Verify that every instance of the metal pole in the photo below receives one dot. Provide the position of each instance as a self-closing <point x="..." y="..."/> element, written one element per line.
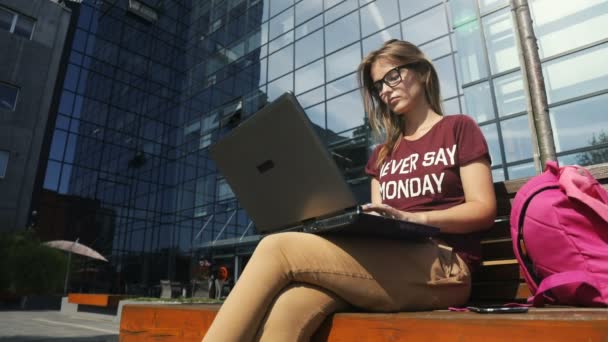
<point x="536" y="83"/>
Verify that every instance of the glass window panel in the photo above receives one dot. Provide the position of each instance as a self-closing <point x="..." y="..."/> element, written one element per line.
<point x="470" y="52"/>
<point x="498" y="175"/>
<point x="316" y="114"/>
<point x="312" y="97"/>
<point x="309" y="27"/>
<point x="71" y="78"/>
<point x="490" y="132"/>
<point x="342" y="62"/>
<point x="3" y="161"/>
<point x="58" y="145"/>
<point x="280" y="62"/>
<point x="307" y="9"/>
<point x="24" y="27"/>
<point x="276" y="6"/>
<point x="280" y="42"/>
<point x="51" y="179"/>
<point x="451" y="107"/>
<point x="280" y="24"/>
<point x="500" y="39"/>
<point x="570" y="25"/>
<point x="62" y="122"/>
<point x="340" y="10"/>
<point x="489" y="5"/>
<point x="8" y="96"/>
<point x="278" y="87"/>
<point x="426" y="26"/>
<point x="437" y="48"/>
<point x="310" y="76"/>
<point x="345" y="112"/>
<point x="70" y="149"/>
<point x="378" y="15"/>
<point x="447" y="77"/>
<point x="309" y="48"/>
<point x="375" y="41"/>
<point x="580" y="124"/>
<point x="409" y="7"/>
<point x="510" y="95"/>
<point x="516" y="138"/>
<point x="335" y="36"/>
<point x="66" y="173"/>
<point x="479" y="102"/>
<point x="342" y="85"/>
<point x="593" y="157"/>
<point x="521" y="171"/>
<point x="6" y="19"/>
<point x="463" y="11"/>
<point x="262" y="71"/>
<point x="577" y="74"/>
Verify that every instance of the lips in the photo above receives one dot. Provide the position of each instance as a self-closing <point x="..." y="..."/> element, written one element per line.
<point x="393" y="100"/>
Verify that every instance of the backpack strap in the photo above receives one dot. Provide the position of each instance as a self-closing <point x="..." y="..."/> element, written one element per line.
<point x="559" y="279"/>
<point x="579" y="184"/>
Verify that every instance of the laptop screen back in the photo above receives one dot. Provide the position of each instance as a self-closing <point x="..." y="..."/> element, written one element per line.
<point x="279" y="169"/>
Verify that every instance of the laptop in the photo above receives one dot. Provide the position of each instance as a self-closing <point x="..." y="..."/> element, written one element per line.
<point x="286" y="180"/>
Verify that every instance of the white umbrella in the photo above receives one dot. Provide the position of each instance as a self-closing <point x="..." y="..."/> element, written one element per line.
<point x="73" y="247"/>
<point x="76" y="247"/>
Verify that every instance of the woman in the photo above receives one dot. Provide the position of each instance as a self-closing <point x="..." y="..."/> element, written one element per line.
<point x="430" y="169"/>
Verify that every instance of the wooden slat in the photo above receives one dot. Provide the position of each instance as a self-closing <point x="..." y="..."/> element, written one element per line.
<point x="96" y="299"/>
<point x="500" y="272"/>
<point x="498" y="249"/>
<point x="500" y="229"/>
<point x="184" y="323"/>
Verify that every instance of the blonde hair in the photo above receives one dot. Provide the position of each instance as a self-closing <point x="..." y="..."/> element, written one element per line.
<point x="383" y="122"/>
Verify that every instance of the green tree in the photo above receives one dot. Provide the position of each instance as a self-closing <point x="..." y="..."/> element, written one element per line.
<point x="597" y="156"/>
<point x="28" y="267"/>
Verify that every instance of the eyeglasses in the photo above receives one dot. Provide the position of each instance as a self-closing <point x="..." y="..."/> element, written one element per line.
<point x="391" y="79"/>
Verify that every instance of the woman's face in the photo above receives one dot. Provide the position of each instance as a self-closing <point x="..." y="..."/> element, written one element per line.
<point x="403" y="96"/>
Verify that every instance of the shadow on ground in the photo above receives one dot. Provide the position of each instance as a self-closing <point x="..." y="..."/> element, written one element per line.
<point x="100" y="338"/>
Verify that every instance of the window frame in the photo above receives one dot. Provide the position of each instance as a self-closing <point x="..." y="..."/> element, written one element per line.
<point x="8" y="85"/>
<point x="8" y="157"/>
<point x="16" y="16"/>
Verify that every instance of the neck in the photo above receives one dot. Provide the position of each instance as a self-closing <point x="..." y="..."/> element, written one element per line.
<point x="419" y="119"/>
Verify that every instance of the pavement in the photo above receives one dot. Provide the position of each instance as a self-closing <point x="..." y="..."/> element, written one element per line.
<point x="54" y="326"/>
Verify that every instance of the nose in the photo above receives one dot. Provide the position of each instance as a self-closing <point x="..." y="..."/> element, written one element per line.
<point x="384" y="89"/>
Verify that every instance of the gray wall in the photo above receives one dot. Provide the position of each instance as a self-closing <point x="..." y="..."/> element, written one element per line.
<point x="32" y="65"/>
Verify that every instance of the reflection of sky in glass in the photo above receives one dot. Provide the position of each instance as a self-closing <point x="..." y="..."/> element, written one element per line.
<point x="516" y="138"/>
<point x="447" y="77"/>
<point x="335" y="36"/>
<point x="309" y="76"/>
<point x="316" y="114"/>
<point x="342" y="62"/>
<point x="500" y="39"/>
<point x="498" y="175"/>
<point x="307" y="9"/>
<point x="510" y="96"/>
<point x="342" y="85"/>
<point x="409" y="7"/>
<point x="491" y="134"/>
<point x="309" y="48"/>
<point x="280" y="24"/>
<point x="470" y="52"/>
<point x="437" y="48"/>
<point x="375" y="41"/>
<point x="426" y="26"/>
<point x="280" y="62"/>
<point x="309" y="26"/>
<point x="488" y="5"/>
<point x="521" y="171"/>
<point x="280" y="42"/>
<point x="576" y="74"/>
<point x="479" y="102"/>
<point x="378" y="15"/>
<point x="345" y="112"/>
<point x="451" y="107"/>
<point x="338" y="11"/>
<point x="575" y="124"/>
<point x="278" y="6"/>
<point x="278" y="87"/>
<point x="312" y="97"/>
<point x="570" y="25"/>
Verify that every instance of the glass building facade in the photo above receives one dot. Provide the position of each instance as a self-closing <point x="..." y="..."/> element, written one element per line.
<point x="149" y="85"/>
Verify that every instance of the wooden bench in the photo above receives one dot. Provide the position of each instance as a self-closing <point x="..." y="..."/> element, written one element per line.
<point x="498" y="281"/>
<point x="96" y="299"/>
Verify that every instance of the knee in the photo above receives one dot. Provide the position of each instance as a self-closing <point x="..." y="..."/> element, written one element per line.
<point x="277" y="242"/>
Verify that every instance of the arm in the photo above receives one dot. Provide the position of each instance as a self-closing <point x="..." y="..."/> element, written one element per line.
<point x="476" y="213"/>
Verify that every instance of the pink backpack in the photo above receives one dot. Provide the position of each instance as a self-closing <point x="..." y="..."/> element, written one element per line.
<point x="559" y="228"/>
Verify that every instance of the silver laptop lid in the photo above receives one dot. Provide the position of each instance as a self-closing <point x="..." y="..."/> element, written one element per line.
<point x="279" y="169"/>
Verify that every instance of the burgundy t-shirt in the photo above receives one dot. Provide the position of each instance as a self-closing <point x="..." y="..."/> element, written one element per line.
<point x="424" y="174"/>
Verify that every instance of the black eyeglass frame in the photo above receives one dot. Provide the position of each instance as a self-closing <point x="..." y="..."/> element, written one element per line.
<point x="377" y="86"/>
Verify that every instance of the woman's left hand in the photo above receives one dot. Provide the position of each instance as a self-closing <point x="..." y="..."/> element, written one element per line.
<point x="388" y="211"/>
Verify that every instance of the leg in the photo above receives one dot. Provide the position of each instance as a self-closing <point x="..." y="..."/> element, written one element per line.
<point x="373" y="274"/>
<point x="297" y="313"/>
